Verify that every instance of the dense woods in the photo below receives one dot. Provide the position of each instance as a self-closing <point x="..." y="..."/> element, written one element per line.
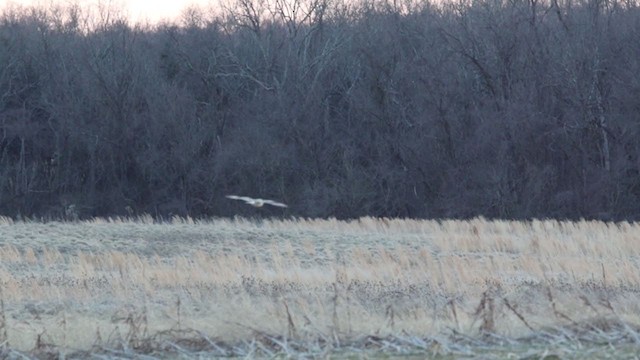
<point x="509" y="109"/>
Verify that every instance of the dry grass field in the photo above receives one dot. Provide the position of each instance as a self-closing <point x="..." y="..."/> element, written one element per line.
<point x="370" y="287"/>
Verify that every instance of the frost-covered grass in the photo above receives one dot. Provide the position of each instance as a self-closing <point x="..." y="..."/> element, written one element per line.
<point x="221" y="287"/>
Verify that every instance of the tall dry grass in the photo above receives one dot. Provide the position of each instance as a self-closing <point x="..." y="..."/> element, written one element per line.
<point x="115" y="283"/>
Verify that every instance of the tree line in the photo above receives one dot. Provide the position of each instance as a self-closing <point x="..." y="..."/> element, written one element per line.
<point x="501" y="108"/>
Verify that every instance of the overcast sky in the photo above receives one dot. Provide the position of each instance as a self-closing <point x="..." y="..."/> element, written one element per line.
<point x="153" y="10"/>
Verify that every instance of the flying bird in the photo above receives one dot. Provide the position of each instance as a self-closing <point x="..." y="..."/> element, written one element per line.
<point x="256" y="202"/>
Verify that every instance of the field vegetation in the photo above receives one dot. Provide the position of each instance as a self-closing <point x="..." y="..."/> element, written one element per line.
<point x="202" y="288"/>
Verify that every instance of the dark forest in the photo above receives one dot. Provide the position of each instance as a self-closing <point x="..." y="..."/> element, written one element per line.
<point x="502" y="109"/>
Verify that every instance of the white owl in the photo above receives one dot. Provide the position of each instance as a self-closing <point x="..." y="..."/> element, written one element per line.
<point x="256" y="202"/>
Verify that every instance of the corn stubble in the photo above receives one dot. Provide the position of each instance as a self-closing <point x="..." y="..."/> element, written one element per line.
<point x="120" y="287"/>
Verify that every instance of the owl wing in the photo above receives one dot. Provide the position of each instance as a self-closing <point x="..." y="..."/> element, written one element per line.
<point x="243" y="198"/>
<point x="275" y="203"/>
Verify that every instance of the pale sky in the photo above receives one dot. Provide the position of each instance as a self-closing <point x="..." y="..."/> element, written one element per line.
<point x="160" y="9"/>
<point x="153" y="10"/>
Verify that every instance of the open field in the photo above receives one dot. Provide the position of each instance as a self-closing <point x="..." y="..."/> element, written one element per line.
<point x="246" y="288"/>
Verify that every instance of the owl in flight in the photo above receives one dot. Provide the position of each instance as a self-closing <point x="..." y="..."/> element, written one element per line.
<point x="256" y="202"/>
